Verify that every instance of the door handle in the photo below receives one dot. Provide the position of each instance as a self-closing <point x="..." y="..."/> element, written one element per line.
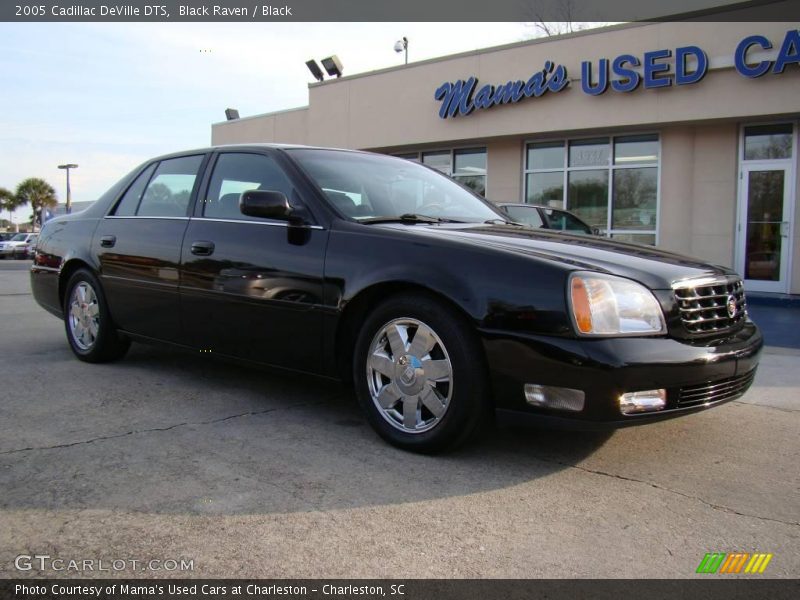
<point x="203" y="248"/>
<point x="108" y="241"/>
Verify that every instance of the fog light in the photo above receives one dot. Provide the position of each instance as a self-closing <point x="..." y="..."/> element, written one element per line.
<point x="645" y="401"/>
<point x="547" y="396"/>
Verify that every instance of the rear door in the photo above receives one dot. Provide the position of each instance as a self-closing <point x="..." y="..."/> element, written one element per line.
<point x="252" y="287"/>
<point x="138" y="247"/>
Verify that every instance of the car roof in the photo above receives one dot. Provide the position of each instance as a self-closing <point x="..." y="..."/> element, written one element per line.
<point x="250" y="146"/>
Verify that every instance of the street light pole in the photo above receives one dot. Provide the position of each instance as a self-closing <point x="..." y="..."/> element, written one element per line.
<point x="67" y="167"/>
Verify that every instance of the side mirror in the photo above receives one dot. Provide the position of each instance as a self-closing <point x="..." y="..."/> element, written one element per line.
<point x="595" y="231"/>
<point x="266" y="204"/>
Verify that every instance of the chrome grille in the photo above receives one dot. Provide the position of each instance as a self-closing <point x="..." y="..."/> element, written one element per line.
<point x="704" y="307"/>
<point x="714" y="391"/>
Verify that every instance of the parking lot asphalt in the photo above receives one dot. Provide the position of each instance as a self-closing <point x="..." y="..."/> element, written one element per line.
<point x="167" y="455"/>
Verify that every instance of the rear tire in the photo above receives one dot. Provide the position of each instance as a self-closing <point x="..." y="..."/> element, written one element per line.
<point x="420" y="375"/>
<point x="91" y="333"/>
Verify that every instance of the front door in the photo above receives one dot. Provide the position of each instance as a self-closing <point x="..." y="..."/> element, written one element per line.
<point x="765" y="213"/>
<point x="252" y="288"/>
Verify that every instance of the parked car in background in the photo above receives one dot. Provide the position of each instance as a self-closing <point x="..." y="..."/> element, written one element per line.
<point x="18" y="246"/>
<point x="389" y="274"/>
<point x="547" y="217"/>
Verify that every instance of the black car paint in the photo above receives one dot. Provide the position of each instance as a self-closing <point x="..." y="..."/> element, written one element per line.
<point x="290" y="295"/>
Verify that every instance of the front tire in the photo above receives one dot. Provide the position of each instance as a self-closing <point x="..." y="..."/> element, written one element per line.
<point x="90" y="331"/>
<point x="420" y="374"/>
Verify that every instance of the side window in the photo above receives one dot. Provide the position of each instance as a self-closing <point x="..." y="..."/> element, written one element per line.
<point x="235" y="173"/>
<point x="130" y="200"/>
<point x="170" y="189"/>
<point x="565" y="221"/>
<point x="523" y="214"/>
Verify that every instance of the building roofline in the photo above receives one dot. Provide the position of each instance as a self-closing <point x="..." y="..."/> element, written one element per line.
<point x="261" y="115"/>
<point x="487" y="50"/>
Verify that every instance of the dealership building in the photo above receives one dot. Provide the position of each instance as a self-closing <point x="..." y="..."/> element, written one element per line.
<point x="683" y="135"/>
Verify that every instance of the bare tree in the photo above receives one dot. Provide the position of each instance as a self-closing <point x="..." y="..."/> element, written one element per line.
<point x="563" y="10"/>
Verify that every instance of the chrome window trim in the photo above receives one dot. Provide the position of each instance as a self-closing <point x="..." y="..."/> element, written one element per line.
<point x="146" y="217"/>
<point x="271" y="223"/>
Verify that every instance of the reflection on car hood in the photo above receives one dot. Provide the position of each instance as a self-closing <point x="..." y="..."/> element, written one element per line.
<point x="653" y="267"/>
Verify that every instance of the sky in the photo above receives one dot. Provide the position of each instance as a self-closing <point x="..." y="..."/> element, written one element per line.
<point x="108" y="96"/>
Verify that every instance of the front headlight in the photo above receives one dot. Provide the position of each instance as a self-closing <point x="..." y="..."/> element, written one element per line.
<point x="605" y="305"/>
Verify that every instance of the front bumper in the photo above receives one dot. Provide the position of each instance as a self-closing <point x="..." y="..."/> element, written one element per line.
<point x="696" y="374"/>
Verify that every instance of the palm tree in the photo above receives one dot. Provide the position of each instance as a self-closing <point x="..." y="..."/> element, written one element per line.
<point x="39" y="194"/>
<point x="9" y="202"/>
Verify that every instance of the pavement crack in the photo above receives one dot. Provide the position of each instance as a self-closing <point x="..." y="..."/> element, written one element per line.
<point x="162" y="429"/>
<point x="712" y="505"/>
<point x="780" y="408"/>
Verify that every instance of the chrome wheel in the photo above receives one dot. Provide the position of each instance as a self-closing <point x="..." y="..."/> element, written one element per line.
<point x="84" y="316"/>
<point x="409" y="375"/>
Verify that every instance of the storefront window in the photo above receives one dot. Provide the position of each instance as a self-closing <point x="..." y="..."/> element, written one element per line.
<point x="638" y="149"/>
<point x="634" y="199"/>
<point x="610" y="182"/>
<point x="546" y="189"/>
<point x="588" y="196"/>
<point x="467" y="166"/>
<point x="589" y="153"/>
<point x="768" y="142"/>
<point x="549" y="155"/>
<point x="470" y="169"/>
<point x="441" y="161"/>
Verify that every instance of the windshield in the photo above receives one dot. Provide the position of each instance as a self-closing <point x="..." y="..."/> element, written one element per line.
<point x="371" y="186"/>
<point x="20" y="237"/>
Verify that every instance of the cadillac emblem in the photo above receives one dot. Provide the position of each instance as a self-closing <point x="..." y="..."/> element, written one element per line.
<point x="731" y="306"/>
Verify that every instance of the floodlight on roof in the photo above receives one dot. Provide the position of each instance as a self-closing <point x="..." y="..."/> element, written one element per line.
<point x="315" y="70"/>
<point x="333" y="66"/>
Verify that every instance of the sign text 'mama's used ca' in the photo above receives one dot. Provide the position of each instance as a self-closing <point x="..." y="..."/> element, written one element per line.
<point x="623" y="74"/>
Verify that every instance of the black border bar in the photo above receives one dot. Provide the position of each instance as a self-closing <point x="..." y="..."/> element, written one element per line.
<point x="708" y="587"/>
<point x="396" y="10"/>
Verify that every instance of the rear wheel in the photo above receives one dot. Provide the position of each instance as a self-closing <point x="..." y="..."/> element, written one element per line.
<point x="90" y="331"/>
<point x="420" y="375"/>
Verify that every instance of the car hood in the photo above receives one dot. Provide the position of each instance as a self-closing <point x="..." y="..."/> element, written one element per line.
<point x="658" y="269"/>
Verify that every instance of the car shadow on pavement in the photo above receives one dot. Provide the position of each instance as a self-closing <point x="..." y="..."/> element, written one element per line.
<point x="174" y="433"/>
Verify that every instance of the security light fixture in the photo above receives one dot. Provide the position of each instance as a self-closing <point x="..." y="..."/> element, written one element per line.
<point x="315" y="70"/>
<point x="402" y="46"/>
<point x="231" y="114"/>
<point x="333" y="65"/>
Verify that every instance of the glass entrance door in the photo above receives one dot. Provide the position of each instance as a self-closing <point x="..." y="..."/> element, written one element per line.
<point x="765" y="227"/>
<point x="766" y="206"/>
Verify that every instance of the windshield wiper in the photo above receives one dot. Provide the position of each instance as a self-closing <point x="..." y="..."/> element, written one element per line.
<point x="502" y="222"/>
<point x="408" y="218"/>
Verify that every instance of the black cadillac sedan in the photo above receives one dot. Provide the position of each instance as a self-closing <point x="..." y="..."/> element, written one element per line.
<point x="383" y="272"/>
